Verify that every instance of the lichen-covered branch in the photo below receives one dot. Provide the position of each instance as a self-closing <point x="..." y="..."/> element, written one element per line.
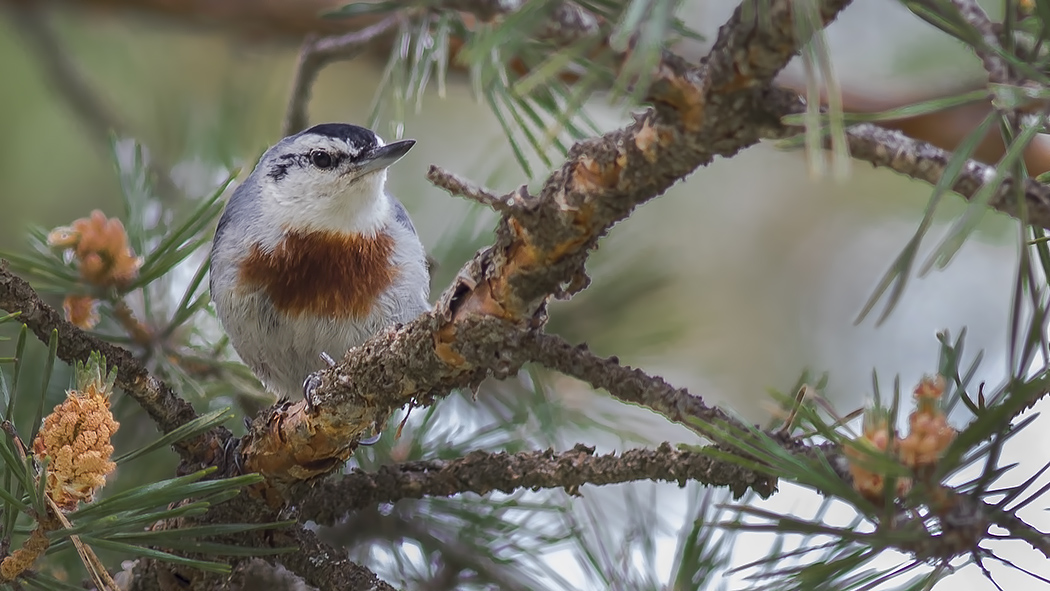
<point x="319" y="565"/>
<point x="487" y="316"/>
<point x="482" y="473"/>
<point x="920" y="160"/>
<point x="628" y="384"/>
<point x="322" y="566"/>
<point x="162" y="404"/>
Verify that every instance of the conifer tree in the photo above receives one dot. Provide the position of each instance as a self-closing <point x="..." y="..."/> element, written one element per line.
<point x="138" y="452"/>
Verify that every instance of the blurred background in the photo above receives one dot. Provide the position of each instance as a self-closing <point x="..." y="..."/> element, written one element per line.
<point x="732" y="284"/>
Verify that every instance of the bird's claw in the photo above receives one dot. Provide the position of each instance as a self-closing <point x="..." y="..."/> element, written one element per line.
<point x="232" y="455"/>
<point x="313" y="381"/>
<point x="372" y="440"/>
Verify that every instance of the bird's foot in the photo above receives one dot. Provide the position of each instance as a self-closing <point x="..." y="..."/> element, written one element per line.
<point x="313" y="381"/>
<point x="232" y="457"/>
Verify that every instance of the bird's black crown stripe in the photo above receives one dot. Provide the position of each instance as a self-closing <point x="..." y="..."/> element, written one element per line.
<point x="356" y="136"/>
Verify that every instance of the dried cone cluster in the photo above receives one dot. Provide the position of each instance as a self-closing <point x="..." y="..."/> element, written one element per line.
<point x="22" y="559"/>
<point x="100" y="249"/>
<point x="877" y="439"/>
<point x="76" y="439"/>
<point x="81" y="310"/>
<point x="929" y="434"/>
<point x="100" y="246"/>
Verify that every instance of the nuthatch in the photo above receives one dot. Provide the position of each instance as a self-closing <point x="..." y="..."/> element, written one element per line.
<point x="312" y="256"/>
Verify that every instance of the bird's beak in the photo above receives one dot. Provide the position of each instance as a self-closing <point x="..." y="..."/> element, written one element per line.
<point x="385" y="156"/>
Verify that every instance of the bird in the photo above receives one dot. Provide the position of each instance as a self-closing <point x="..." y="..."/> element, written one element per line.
<point x="312" y="255"/>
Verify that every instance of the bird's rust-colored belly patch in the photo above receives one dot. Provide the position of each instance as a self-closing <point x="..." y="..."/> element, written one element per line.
<point x="329" y="274"/>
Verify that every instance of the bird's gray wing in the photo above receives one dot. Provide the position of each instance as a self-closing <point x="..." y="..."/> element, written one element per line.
<point x="401" y="215"/>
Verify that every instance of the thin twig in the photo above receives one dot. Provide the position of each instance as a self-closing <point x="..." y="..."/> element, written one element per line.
<point x="459" y="186"/>
<point x="997" y="68"/>
<point x="96" y="569"/>
<point x="1021" y="530"/>
<point x="923" y="161"/>
<point x="483" y="472"/>
<point x="486" y="472"/>
<point x="628" y="384"/>
<point x="315" y="54"/>
<point x="139" y="332"/>
<point x="162" y="404"/>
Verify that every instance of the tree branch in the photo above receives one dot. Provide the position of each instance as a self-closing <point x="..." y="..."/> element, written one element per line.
<point x="997" y="68"/>
<point x="488" y="322"/>
<point x="1022" y="531"/>
<point x="367" y="526"/>
<point x="323" y="566"/>
<point x="162" y="404"/>
<point x="459" y="186"/>
<point x="482" y="473"/>
<point x="484" y="321"/>
<point x="628" y="384"/>
<point x="920" y="160"/>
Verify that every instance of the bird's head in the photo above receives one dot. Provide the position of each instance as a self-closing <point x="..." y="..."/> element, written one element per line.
<point x="330" y="177"/>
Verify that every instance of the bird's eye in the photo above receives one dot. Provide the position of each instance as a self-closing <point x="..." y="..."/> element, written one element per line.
<point x="321" y="159"/>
